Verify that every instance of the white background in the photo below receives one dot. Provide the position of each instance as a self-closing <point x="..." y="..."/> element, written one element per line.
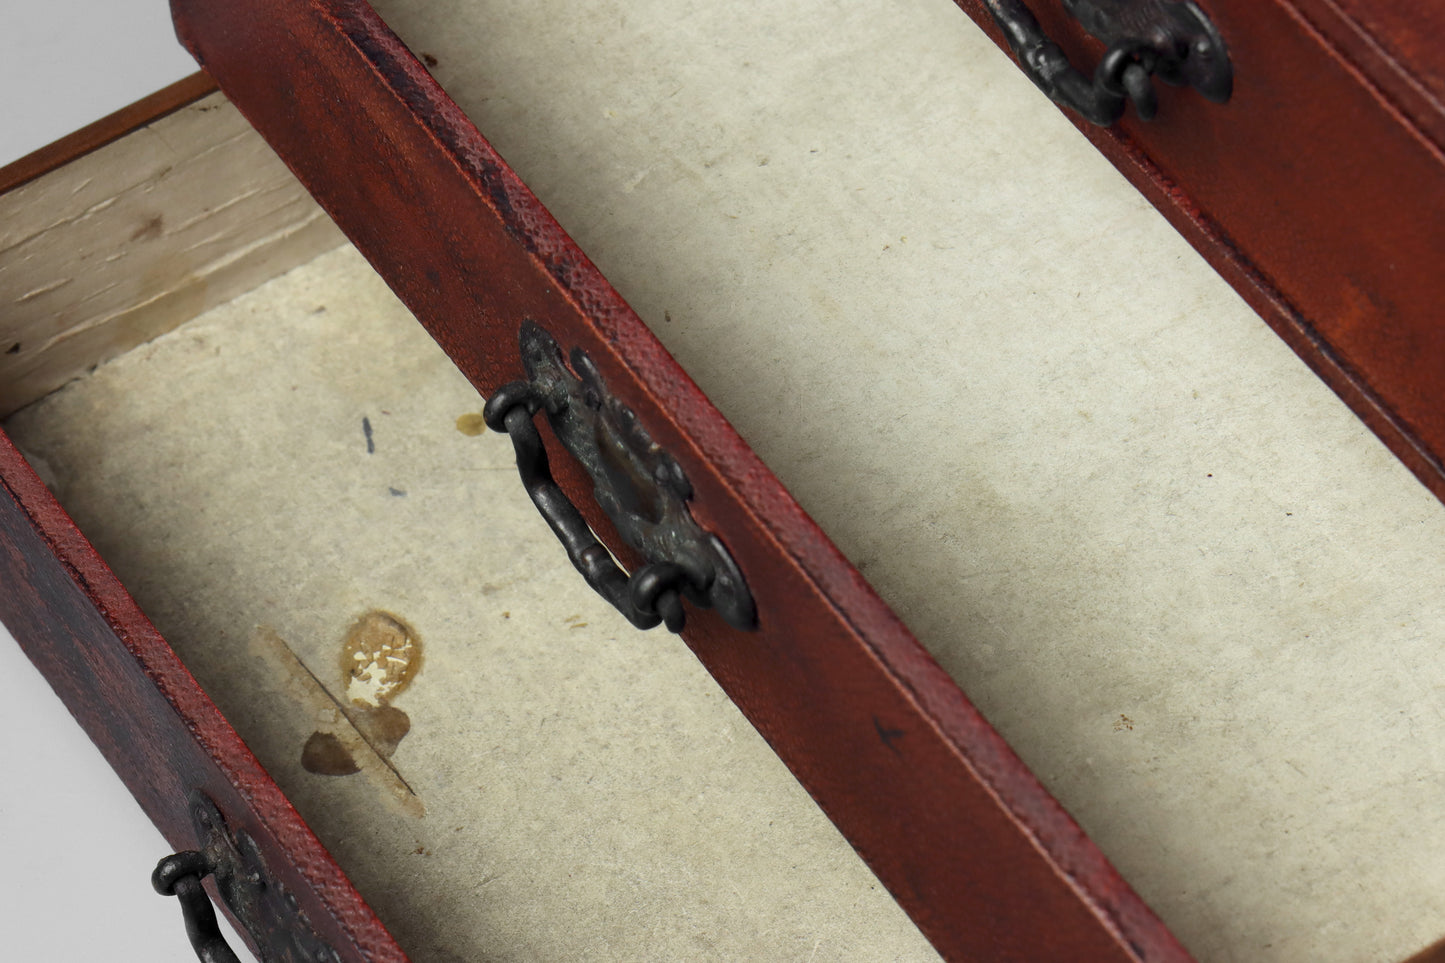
<point x="76" y="852"/>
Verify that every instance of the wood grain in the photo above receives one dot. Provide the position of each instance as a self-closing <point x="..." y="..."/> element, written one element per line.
<point x="135" y="237"/>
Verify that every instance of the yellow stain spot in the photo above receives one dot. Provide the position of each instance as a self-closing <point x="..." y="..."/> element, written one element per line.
<point x="471" y="424"/>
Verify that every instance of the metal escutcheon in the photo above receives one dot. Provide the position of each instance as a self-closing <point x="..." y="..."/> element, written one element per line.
<point x="640" y="486"/>
<point x="1169" y="39"/>
<point x="271" y="915"/>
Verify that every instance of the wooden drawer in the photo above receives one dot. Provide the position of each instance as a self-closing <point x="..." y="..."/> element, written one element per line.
<point x="546" y="723"/>
<point x="1081" y="507"/>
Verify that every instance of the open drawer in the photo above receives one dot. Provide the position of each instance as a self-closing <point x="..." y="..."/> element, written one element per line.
<point x="1202" y="619"/>
<point x="535" y="779"/>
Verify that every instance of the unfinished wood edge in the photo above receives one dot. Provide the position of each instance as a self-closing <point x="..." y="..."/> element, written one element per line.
<point x="185" y="211"/>
<point x="110" y="128"/>
<point x="91" y="346"/>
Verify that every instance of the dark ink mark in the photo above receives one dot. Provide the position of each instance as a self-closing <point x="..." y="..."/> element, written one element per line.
<point x="319" y="309"/>
<point x="434" y="276"/>
<point x="366" y="430"/>
<point x="667" y="317"/>
<point x="889" y="736"/>
<point x="396" y="492"/>
<point x="13" y="349"/>
<point x="429" y="60"/>
<point x="150" y="230"/>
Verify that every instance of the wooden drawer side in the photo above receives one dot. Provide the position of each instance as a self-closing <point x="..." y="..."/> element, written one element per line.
<point x="142" y="708"/>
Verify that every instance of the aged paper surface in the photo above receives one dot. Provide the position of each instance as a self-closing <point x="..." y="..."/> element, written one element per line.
<point x="279" y="478"/>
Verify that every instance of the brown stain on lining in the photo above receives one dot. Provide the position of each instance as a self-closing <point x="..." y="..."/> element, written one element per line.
<point x="382" y="727"/>
<point x="358" y="734"/>
<point x="380" y="655"/>
<point x="325" y="755"/>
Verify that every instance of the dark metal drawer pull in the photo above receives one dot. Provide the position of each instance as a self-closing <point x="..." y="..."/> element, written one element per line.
<point x="1173" y="41"/>
<point x="269" y="913"/>
<point x="640" y="487"/>
<point x="180" y="876"/>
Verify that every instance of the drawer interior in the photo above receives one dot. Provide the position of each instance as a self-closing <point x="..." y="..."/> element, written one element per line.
<point x="293" y="477"/>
